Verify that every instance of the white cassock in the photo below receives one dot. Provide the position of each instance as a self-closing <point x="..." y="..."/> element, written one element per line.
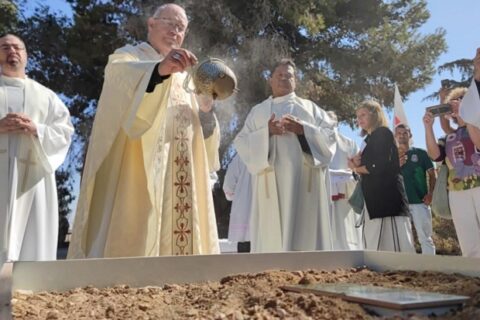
<point x="470" y="106"/>
<point x="238" y="189"/>
<point x="28" y="191"/>
<point x="145" y="187"/>
<point x="345" y="235"/>
<point x="290" y="196"/>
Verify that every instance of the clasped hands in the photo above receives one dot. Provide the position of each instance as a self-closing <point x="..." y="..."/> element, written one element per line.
<point x="17" y="123"/>
<point x="286" y="124"/>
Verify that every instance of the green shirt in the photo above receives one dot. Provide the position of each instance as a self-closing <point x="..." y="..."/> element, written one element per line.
<point x="414" y="173"/>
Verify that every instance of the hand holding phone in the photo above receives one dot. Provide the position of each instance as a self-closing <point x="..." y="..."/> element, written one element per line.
<point x="439" y="109"/>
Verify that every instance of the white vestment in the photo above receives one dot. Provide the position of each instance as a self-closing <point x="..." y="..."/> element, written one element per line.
<point x="28" y="191"/>
<point x="290" y="209"/>
<point x="238" y="189"/>
<point x="345" y="235"/>
<point x="145" y="186"/>
<point x="470" y="106"/>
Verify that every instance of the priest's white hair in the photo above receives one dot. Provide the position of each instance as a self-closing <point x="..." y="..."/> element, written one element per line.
<point x="159" y="9"/>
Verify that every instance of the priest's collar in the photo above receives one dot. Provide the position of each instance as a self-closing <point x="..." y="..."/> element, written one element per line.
<point x="284" y="98"/>
<point x="147" y="48"/>
<point x="13" y="81"/>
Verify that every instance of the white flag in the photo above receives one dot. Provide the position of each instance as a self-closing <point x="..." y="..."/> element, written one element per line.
<point x="470" y="106"/>
<point x="399" y="116"/>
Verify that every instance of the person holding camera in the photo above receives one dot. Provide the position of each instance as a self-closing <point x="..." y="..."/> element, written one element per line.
<point x="463" y="161"/>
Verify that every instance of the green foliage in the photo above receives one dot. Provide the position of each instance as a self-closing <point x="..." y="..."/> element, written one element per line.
<point x="463" y="68"/>
<point x="8" y="16"/>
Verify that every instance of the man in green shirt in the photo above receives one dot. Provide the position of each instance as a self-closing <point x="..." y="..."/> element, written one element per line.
<point x="416" y="165"/>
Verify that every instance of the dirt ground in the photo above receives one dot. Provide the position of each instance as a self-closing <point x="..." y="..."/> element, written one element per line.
<point x="243" y="296"/>
<point x="251" y="296"/>
<point x="444" y="237"/>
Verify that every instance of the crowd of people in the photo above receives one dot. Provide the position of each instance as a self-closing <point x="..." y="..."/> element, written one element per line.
<point x="145" y="188"/>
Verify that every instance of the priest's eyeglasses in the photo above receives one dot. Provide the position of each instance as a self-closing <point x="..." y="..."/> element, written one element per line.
<point x="8" y="47"/>
<point x="172" y="24"/>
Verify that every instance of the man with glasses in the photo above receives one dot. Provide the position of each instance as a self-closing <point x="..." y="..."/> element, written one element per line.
<point x="145" y="186"/>
<point x="35" y="134"/>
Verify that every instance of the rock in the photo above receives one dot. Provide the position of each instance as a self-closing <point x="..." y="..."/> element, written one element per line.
<point x="144" y="306"/>
<point x="110" y="311"/>
<point x="271" y="304"/>
<point x="52" y="315"/>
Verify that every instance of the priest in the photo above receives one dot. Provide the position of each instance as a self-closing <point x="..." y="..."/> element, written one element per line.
<point x="237" y="187"/>
<point x="470" y="106"/>
<point x="346" y="234"/>
<point x="35" y="134"/>
<point x="145" y="186"/>
<point x="287" y="144"/>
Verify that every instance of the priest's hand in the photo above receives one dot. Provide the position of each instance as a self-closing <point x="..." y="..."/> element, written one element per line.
<point x="291" y="124"/>
<point x="476" y="65"/>
<point x="7" y="125"/>
<point x="275" y="127"/>
<point x="20" y="123"/>
<point x="177" y="60"/>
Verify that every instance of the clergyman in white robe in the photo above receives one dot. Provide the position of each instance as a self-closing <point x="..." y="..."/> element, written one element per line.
<point x="237" y="186"/>
<point x="145" y="187"/>
<point x="346" y="236"/>
<point x="290" y="209"/>
<point x="470" y="105"/>
<point x="28" y="191"/>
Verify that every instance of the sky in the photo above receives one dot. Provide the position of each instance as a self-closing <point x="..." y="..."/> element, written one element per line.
<point x="456" y="17"/>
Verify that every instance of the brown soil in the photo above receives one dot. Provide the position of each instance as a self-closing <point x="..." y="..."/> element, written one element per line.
<point x="445" y="237"/>
<point x="244" y="296"/>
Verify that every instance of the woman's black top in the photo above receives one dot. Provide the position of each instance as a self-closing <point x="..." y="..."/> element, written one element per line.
<point x="383" y="188"/>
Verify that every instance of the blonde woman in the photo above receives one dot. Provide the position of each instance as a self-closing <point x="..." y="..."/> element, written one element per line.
<point x="387" y="225"/>
<point x="463" y="161"/>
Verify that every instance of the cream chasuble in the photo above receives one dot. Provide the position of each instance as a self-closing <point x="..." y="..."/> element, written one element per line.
<point x="145" y="186"/>
<point x="290" y="188"/>
<point x="28" y="192"/>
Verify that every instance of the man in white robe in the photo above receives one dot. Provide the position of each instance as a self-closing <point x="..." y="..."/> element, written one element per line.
<point x="287" y="144"/>
<point x="238" y="189"/>
<point x="145" y="186"/>
<point x="345" y="234"/>
<point x="470" y="105"/>
<point x="35" y="134"/>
